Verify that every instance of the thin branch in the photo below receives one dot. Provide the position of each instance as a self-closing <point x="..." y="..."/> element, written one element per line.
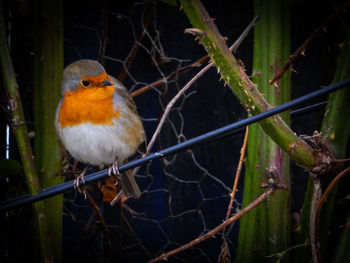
<point x="171" y="76"/>
<point x="195" y="64"/>
<point x="189" y="84"/>
<point x="316" y="196"/>
<point x="238" y="172"/>
<point x="280" y="255"/>
<point x="102" y="221"/>
<point x="220" y="227"/>
<point x="324" y="198"/>
<point x="340" y="160"/>
<point x="130" y="58"/>
<point x="104" y="32"/>
<point x="225" y="255"/>
<point x="186" y="87"/>
<point x="138" y="241"/>
<point x="306" y="44"/>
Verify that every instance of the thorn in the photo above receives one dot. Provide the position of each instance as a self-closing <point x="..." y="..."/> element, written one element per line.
<point x="195" y="31"/>
<point x="302" y="52"/>
<point x="224" y="38"/>
<point x="293" y="70"/>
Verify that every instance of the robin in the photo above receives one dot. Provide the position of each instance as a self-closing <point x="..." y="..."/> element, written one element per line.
<point x="97" y="121"/>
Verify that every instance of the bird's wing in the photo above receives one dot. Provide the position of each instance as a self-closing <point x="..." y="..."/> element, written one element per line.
<point x="124" y="94"/>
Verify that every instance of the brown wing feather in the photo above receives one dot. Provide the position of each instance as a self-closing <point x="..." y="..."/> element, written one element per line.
<point x="124" y="94"/>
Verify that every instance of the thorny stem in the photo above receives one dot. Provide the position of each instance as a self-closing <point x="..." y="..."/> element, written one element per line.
<point x="195" y="64"/>
<point x="306" y="44"/>
<point x="233" y="73"/>
<point x="220" y="227"/>
<point x="186" y="87"/>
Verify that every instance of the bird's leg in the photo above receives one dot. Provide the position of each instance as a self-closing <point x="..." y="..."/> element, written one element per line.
<point x="81" y="178"/>
<point x="114" y="170"/>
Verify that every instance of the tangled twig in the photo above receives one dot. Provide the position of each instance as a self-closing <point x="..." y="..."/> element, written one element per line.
<point x="220" y="227"/>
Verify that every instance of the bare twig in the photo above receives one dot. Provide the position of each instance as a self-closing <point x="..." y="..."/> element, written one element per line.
<point x="280" y="255"/>
<point x="186" y="87"/>
<point x="197" y="63"/>
<point x="132" y="54"/>
<point x="189" y="84"/>
<point x="170" y="77"/>
<point x="238" y="172"/>
<point x="225" y="255"/>
<point x="324" y="197"/>
<point x="102" y="221"/>
<point x="316" y="196"/>
<point x="104" y="32"/>
<point x="220" y="227"/>
<point x="340" y="160"/>
<point x="306" y="44"/>
<point x="138" y="241"/>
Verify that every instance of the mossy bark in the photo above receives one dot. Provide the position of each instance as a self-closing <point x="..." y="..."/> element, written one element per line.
<point x="18" y="124"/>
<point x="48" y="71"/>
<point x="265" y="160"/>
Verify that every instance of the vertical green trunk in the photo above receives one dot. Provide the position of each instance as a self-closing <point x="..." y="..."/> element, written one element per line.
<point x="266" y="231"/>
<point x="20" y="130"/>
<point x="336" y="130"/>
<point x="48" y="67"/>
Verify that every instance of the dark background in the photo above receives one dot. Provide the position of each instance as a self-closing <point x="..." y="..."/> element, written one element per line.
<point x="184" y="195"/>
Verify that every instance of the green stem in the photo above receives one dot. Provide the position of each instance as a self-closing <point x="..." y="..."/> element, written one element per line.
<point x="336" y="130"/>
<point x="48" y="68"/>
<point x="24" y="148"/>
<point x="265" y="160"/>
<point x="233" y="73"/>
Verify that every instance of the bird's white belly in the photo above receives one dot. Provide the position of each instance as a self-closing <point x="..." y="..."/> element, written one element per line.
<point x="98" y="145"/>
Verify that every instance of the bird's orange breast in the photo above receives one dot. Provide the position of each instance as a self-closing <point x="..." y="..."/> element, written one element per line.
<point x="94" y="105"/>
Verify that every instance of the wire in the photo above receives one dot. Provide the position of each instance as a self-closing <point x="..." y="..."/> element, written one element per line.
<point x="204" y="138"/>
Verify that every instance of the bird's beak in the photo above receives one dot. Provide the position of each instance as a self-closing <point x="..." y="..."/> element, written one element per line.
<point x="106" y="83"/>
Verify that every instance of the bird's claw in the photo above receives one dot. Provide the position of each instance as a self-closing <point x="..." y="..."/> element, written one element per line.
<point x="77" y="186"/>
<point x="114" y="170"/>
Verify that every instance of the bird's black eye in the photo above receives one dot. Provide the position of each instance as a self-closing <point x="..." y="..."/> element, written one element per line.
<point x="85" y="83"/>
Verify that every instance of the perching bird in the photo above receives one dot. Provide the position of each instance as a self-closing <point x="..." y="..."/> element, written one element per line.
<point x="97" y="121"/>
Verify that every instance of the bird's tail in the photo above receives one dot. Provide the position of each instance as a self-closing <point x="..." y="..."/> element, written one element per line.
<point x="129" y="185"/>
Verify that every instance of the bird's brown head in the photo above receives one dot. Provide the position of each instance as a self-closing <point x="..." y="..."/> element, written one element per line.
<point x="84" y="73"/>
